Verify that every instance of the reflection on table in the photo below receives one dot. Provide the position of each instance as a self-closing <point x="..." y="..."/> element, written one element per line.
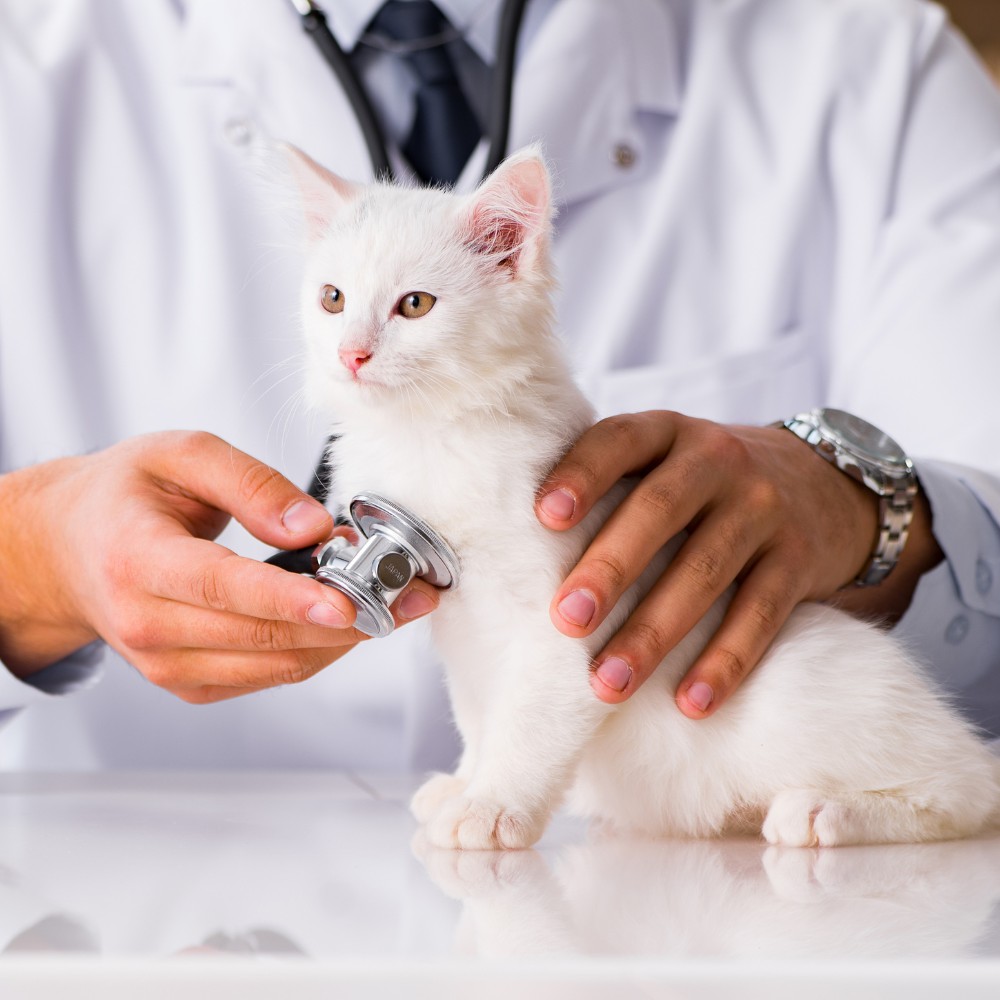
<point x="327" y="868"/>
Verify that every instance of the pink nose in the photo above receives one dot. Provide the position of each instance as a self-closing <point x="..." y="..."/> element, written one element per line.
<point x="352" y="358"/>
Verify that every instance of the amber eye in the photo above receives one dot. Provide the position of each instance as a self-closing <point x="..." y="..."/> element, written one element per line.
<point x="415" y="304"/>
<point x="331" y="299"/>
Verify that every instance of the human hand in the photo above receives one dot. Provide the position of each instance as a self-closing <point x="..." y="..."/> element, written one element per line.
<point x="762" y="509"/>
<point x="118" y="545"/>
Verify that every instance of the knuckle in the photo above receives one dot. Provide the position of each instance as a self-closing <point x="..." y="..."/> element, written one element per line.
<point x="650" y="639"/>
<point x="291" y="669"/>
<point x="659" y="497"/>
<point x="138" y="632"/>
<point x="213" y="591"/>
<point x="705" y="570"/>
<point x="763" y="496"/>
<point x="255" y="480"/>
<point x="621" y="430"/>
<point x="580" y="473"/>
<point x="266" y="634"/>
<point x="160" y="674"/>
<point x="767" y="612"/>
<point x="729" y="666"/>
<point x="194" y="442"/>
<point x="719" y="444"/>
<point x="611" y="571"/>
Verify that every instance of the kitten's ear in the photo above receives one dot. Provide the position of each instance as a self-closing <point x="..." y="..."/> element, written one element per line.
<point x="509" y="217"/>
<point x="323" y="192"/>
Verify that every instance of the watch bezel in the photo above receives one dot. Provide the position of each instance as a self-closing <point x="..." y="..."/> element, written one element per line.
<point x="844" y="440"/>
<point x="855" y="435"/>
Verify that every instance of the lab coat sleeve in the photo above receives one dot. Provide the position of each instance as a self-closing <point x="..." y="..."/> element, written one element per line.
<point x="953" y="621"/>
<point x="73" y="673"/>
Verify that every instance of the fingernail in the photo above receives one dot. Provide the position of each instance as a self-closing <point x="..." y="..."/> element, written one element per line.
<point x="615" y="673"/>
<point x="559" y="505"/>
<point x="578" y="607"/>
<point x="415" y="604"/>
<point x="327" y="615"/>
<point x="304" y="516"/>
<point x="700" y="695"/>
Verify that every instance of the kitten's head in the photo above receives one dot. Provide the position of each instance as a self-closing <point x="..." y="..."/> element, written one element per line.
<point x="425" y="300"/>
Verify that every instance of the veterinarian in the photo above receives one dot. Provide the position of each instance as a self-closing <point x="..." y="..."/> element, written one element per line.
<point x="764" y="208"/>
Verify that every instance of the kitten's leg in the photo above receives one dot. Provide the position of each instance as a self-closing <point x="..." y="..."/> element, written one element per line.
<point x="542" y="716"/>
<point x="468" y="708"/>
<point x="809" y="818"/>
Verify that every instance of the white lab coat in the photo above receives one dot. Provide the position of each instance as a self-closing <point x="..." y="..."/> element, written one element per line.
<point x="764" y="206"/>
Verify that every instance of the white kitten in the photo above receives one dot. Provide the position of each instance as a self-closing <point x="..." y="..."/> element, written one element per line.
<point x="429" y="328"/>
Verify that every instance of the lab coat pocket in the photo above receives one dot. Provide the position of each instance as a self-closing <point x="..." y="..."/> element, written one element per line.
<point x="753" y="387"/>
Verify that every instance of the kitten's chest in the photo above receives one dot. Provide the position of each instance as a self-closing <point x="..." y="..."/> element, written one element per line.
<point x="471" y="490"/>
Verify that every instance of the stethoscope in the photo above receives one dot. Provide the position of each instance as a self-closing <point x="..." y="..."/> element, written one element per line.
<point x="398" y="545"/>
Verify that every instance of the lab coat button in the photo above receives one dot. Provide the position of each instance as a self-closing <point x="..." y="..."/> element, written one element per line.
<point x="957" y="630"/>
<point x="984" y="577"/>
<point x="623" y="155"/>
<point x="239" y="131"/>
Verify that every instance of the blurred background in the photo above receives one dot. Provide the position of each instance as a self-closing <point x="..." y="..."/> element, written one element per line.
<point x="980" y="21"/>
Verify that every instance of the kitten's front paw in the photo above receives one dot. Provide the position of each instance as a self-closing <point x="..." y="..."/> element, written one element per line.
<point x="432" y="793"/>
<point x="482" y="825"/>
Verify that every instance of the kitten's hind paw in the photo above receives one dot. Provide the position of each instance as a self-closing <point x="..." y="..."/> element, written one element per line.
<point x="481" y="825"/>
<point x="803" y="818"/>
<point x="429" y="797"/>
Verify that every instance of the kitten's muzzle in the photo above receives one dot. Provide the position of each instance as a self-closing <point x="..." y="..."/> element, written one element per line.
<point x="398" y="546"/>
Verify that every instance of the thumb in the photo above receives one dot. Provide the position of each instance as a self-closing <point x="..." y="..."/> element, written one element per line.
<point x="270" y="507"/>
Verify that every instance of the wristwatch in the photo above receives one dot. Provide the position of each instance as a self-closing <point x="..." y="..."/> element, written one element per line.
<point x="872" y="458"/>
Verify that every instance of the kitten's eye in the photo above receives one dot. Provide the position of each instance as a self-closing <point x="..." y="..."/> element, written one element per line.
<point x="415" y="304"/>
<point x="331" y="299"/>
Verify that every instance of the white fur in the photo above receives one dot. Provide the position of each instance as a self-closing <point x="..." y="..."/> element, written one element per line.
<point x="836" y="738"/>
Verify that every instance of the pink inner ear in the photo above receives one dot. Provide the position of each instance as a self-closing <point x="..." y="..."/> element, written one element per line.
<point x="510" y="212"/>
<point x="498" y="236"/>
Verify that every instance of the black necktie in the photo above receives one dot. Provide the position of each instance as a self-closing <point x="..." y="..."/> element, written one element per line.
<point x="445" y="130"/>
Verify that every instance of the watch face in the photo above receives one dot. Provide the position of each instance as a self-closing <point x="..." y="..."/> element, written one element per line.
<point x="863" y="437"/>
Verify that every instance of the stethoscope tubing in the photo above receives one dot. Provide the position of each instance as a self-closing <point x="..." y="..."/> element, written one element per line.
<point x="509" y="30"/>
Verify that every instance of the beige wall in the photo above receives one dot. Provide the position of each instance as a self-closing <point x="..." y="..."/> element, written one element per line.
<point x="980" y="21"/>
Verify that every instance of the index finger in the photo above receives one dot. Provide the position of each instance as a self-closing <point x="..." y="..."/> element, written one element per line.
<point x="202" y="573"/>
<point x="613" y="448"/>
<point x="213" y="472"/>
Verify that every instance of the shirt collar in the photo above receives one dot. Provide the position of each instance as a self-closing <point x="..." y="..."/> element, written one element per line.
<point x="475" y="19"/>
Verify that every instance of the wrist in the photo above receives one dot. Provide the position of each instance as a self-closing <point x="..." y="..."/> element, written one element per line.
<point x="40" y="622"/>
<point x="890" y="599"/>
<point x="876" y="462"/>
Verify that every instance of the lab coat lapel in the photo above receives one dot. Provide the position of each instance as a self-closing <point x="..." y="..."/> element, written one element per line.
<point x="255" y="70"/>
<point x="582" y="82"/>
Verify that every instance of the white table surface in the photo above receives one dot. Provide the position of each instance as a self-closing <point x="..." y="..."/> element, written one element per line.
<point x="312" y="885"/>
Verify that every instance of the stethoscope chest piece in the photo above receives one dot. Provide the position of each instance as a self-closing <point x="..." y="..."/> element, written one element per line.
<point x="398" y="546"/>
